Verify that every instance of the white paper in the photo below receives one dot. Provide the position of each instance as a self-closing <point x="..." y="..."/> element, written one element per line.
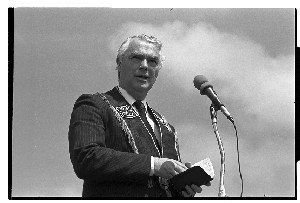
<point x="207" y="166"/>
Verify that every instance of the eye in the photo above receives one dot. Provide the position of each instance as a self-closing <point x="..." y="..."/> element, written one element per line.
<point x="152" y="62"/>
<point x="136" y="58"/>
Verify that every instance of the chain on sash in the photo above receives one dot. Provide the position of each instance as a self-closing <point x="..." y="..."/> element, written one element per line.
<point x="123" y="124"/>
<point x="164" y="182"/>
<point x="165" y="123"/>
<point x="177" y="146"/>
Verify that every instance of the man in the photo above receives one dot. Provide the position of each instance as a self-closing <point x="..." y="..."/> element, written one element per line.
<point x="118" y="144"/>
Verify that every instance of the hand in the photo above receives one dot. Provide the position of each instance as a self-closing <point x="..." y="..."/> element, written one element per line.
<point x="190" y="191"/>
<point x="167" y="168"/>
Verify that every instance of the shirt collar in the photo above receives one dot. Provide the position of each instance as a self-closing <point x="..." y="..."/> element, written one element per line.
<point x="129" y="98"/>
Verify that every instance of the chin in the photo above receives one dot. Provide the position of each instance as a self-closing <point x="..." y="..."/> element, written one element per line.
<point x="144" y="87"/>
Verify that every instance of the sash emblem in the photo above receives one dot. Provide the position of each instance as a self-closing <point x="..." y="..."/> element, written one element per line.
<point x="126" y="111"/>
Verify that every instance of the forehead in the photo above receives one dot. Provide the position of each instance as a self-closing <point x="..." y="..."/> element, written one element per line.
<point x="141" y="47"/>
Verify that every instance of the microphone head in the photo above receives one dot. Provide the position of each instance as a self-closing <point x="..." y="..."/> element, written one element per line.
<point x="199" y="80"/>
<point x="201" y="83"/>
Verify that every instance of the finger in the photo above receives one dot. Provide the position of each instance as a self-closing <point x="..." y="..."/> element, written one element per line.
<point x="188" y="164"/>
<point x="196" y="188"/>
<point x="170" y="174"/>
<point x="185" y="194"/>
<point x="208" y="184"/>
<point x="181" y="165"/>
<point x="174" y="173"/>
<point x="190" y="190"/>
<point x="179" y="169"/>
<point x="170" y="164"/>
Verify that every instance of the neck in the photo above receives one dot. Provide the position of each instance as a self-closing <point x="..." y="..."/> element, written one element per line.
<point x="136" y="95"/>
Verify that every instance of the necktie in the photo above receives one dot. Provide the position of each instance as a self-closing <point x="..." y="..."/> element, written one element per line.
<point x="142" y="112"/>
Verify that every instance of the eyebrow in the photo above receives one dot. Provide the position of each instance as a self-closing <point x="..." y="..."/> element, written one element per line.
<point x="144" y="55"/>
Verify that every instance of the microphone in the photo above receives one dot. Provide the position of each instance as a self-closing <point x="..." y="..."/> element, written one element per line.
<point x="202" y="84"/>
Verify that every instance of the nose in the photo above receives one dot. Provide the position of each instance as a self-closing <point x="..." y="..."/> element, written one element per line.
<point x="144" y="64"/>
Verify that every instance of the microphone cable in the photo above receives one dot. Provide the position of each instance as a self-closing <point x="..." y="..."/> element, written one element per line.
<point x="238" y="155"/>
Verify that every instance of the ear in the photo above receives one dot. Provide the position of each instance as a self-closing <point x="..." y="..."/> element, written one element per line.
<point x="117" y="61"/>
<point x="156" y="73"/>
<point x="118" y="68"/>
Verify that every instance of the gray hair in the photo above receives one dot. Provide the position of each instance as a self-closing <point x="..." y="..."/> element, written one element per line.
<point x="144" y="37"/>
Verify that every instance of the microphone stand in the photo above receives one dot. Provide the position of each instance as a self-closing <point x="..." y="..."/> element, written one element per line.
<point x="213" y="114"/>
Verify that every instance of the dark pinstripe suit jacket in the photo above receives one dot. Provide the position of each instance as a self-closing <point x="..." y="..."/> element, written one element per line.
<point x="113" y="154"/>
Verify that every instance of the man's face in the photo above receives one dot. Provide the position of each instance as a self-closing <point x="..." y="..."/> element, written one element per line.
<point x="139" y="67"/>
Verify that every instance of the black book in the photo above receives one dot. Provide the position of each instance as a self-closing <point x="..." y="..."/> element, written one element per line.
<point x="195" y="175"/>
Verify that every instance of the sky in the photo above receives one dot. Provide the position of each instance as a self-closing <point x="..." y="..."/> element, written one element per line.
<point x="247" y="54"/>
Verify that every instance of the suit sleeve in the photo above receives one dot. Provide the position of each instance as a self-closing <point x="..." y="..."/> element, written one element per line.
<point x="90" y="157"/>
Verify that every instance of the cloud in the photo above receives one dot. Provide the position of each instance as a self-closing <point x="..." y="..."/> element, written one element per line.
<point x="240" y="69"/>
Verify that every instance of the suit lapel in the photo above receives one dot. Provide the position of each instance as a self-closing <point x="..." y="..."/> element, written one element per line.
<point x="121" y="105"/>
<point x="143" y="140"/>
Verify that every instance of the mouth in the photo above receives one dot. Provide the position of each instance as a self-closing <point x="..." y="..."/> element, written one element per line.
<point x="144" y="77"/>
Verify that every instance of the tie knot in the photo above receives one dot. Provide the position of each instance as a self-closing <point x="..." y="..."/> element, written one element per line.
<point x="139" y="105"/>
